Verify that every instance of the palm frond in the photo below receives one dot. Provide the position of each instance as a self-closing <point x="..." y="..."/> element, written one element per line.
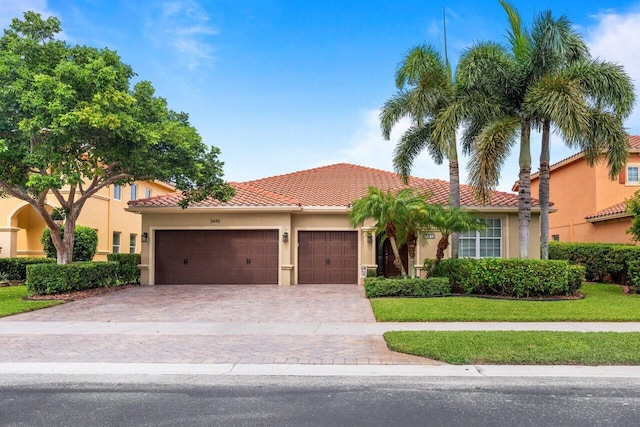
<point x="491" y="149"/>
<point x="415" y="140"/>
<point x="393" y="110"/>
<point x="606" y="138"/>
<point x="561" y="101"/>
<point x="517" y="33"/>
<point x="420" y="65"/>
<point x="608" y="86"/>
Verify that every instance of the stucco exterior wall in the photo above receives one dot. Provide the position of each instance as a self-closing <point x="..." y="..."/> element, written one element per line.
<point x="294" y="222"/>
<point x="577" y="191"/>
<point x="21" y="235"/>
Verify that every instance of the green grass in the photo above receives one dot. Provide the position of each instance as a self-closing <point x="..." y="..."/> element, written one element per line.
<point x="11" y="301"/>
<point x="602" y="303"/>
<point x="520" y="348"/>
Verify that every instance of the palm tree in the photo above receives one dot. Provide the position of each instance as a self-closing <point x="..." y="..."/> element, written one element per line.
<point x="448" y="221"/>
<point x="504" y="93"/>
<point x="425" y="87"/>
<point x="389" y="211"/>
<point x="601" y="94"/>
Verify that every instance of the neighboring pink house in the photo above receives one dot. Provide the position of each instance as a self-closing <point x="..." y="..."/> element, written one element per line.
<point x="590" y="206"/>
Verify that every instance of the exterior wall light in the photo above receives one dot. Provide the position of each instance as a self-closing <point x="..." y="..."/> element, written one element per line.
<point x="144" y="237"/>
<point x="369" y="238"/>
<point x="285" y="237"/>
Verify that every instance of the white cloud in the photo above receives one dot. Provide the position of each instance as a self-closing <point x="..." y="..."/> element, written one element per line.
<point x="10" y="9"/>
<point x="184" y="27"/>
<point x="367" y="147"/>
<point x="614" y="38"/>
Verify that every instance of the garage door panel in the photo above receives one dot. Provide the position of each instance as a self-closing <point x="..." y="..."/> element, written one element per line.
<point x="217" y="256"/>
<point x="328" y="257"/>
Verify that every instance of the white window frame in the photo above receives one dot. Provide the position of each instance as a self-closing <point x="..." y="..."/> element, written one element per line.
<point x="134" y="191"/>
<point x="116" y="242"/>
<point x="133" y="239"/>
<point x="478" y="236"/>
<point x="117" y="192"/>
<point x="147" y="193"/>
<point x="628" y="180"/>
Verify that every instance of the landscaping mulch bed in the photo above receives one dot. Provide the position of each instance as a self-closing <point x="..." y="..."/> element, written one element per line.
<point x="77" y="295"/>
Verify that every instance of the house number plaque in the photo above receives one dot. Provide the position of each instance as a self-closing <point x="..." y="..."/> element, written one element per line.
<point x="215" y="221"/>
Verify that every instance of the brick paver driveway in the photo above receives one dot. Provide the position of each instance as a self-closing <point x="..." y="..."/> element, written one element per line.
<point x="201" y="324"/>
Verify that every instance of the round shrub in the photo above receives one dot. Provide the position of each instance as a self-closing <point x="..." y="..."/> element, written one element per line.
<point x="85" y="243"/>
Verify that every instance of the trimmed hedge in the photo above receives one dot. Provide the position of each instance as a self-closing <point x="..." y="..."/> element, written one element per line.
<point x="384" y="287"/>
<point x="520" y="278"/>
<point x="85" y="243"/>
<point x="601" y="260"/>
<point x="128" y="271"/>
<point x="634" y="276"/>
<point x="46" y="279"/>
<point x="16" y="268"/>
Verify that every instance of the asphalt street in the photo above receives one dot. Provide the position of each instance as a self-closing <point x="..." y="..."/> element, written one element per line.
<point x="183" y="400"/>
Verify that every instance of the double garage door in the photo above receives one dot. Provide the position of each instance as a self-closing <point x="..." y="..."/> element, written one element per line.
<point x="251" y="257"/>
<point x="216" y="257"/>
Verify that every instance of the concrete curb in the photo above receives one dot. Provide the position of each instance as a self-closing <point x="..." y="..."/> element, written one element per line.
<point x="155" y="369"/>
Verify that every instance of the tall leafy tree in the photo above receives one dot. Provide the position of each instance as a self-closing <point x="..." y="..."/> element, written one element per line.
<point x="70" y="125"/>
<point x="391" y="213"/>
<point x="425" y="88"/>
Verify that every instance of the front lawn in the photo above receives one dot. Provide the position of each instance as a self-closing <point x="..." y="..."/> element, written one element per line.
<point x="12" y="302"/>
<point x="520" y="348"/>
<point x="602" y="303"/>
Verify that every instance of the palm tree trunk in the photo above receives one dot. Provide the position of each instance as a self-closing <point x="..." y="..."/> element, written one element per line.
<point x="411" y="252"/>
<point x="454" y="191"/>
<point x="543" y="192"/>
<point x="397" y="261"/>
<point x="443" y="244"/>
<point x="524" y="189"/>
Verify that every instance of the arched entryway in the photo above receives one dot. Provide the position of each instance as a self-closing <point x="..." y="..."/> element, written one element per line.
<point x="28" y="227"/>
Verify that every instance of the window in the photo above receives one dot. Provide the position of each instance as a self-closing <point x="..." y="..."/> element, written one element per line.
<point x="134" y="191"/>
<point x="117" y="192"/>
<point x="132" y="243"/>
<point x="485" y="243"/>
<point x="555" y="237"/>
<point x="116" y="242"/>
<point x="632" y="174"/>
<point x="147" y="192"/>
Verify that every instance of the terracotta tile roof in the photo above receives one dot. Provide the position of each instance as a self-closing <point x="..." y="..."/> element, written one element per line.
<point x="246" y="195"/>
<point x="615" y="211"/>
<point x="332" y="186"/>
<point x="340" y="184"/>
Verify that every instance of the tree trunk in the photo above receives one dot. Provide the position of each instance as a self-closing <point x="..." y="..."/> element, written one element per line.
<point x="524" y="190"/>
<point x="390" y="229"/>
<point x="443" y="244"/>
<point x="65" y="250"/>
<point x="454" y="191"/>
<point x="543" y="192"/>
<point x="411" y="251"/>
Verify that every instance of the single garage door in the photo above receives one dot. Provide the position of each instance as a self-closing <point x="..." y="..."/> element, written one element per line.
<point x="216" y="257"/>
<point x="328" y="257"/>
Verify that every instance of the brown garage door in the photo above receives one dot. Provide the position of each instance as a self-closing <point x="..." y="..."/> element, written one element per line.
<point x="328" y="257"/>
<point x="216" y="257"/>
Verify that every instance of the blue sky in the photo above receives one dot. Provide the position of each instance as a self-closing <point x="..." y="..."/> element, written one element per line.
<point x="282" y="86"/>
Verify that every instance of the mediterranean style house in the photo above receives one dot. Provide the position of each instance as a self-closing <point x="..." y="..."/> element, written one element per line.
<point x="118" y="230"/>
<point x="294" y="229"/>
<point x="591" y="207"/>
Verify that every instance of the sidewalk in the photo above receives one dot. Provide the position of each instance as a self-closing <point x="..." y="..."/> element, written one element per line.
<point x="257" y="348"/>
